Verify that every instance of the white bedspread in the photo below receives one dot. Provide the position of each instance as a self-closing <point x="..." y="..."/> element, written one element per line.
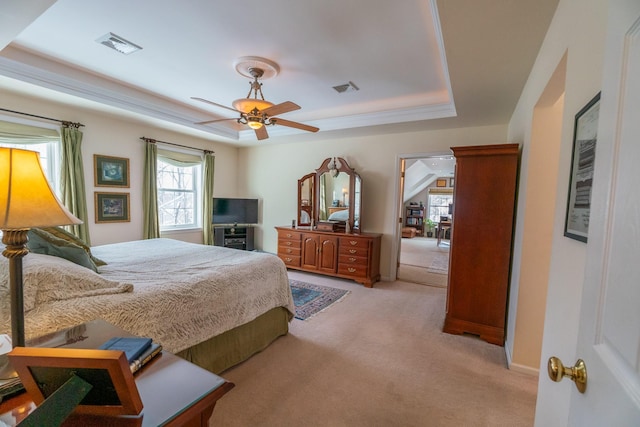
<point x="182" y="294"/>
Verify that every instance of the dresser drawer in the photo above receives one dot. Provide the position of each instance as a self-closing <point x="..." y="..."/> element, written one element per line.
<point x="289" y="250"/>
<point x="290" y="260"/>
<point x="289" y="244"/>
<point x="289" y="235"/>
<point x="356" y="270"/>
<point x="361" y="251"/>
<point x="351" y="242"/>
<point x="352" y="260"/>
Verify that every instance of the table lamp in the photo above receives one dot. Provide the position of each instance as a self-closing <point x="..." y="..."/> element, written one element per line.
<point x="26" y="201"/>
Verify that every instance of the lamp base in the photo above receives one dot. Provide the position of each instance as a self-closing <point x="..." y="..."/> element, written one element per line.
<point x="16" y="248"/>
<point x="6" y="369"/>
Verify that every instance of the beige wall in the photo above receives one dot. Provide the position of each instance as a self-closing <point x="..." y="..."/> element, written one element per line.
<point x="271" y="172"/>
<point x="577" y="31"/>
<point x="113" y="135"/>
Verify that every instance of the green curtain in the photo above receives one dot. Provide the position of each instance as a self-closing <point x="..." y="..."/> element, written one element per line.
<point x="207" y="196"/>
<point x="151" y="228"/>
<point x="74" y="195"/>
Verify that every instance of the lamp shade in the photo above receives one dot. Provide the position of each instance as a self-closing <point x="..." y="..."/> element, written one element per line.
<point x="26" y="199"/>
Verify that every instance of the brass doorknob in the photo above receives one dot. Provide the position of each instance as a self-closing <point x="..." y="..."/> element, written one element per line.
<point x="578" y="373"/>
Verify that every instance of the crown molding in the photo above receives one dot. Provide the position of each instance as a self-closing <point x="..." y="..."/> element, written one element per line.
<point x="43" y="72"/>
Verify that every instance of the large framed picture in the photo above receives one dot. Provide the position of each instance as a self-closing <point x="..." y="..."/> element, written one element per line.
<point x="583" y="159"/>
<point x="110" y="171"/>
<point x="112" y="207"/>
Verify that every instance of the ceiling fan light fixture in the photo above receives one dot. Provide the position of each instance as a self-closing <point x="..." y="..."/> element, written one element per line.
<point x="246" y="105"/>
<point x="254" y="123"/>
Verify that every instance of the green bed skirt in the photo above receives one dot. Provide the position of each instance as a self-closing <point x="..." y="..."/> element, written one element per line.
<point x="237" y="345"/>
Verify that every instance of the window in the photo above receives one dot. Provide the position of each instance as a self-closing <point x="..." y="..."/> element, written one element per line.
<point x="439" y="205"/>
<point x="178" y="195"/>
<point x="43" y="140"/>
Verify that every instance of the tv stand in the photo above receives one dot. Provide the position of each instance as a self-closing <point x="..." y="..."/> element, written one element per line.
<point x="234" y="236"/>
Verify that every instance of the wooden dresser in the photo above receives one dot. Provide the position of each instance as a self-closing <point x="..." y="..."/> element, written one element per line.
<point x="350" y="256"/>
<point x="481" y="240"/>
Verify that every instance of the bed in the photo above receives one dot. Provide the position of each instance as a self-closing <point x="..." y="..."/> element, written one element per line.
<point x="210" y="305"/>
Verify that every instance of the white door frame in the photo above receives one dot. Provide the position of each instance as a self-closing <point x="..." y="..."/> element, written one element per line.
<point x="397" y="202"/>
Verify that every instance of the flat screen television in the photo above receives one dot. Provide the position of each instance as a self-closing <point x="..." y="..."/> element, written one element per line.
<point x="235" y="211"/>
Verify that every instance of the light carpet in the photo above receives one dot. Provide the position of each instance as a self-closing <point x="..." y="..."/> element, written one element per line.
<point x="312" y="299"/>
<point x="423" y="261"/>
<point x="379" y="358"/>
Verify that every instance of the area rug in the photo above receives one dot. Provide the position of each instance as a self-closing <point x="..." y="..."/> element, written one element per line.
<point x="439" y="264"/>
<point x="312" y="299"/>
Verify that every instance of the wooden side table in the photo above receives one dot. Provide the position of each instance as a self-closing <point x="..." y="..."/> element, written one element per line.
<point x="174" y="392"/>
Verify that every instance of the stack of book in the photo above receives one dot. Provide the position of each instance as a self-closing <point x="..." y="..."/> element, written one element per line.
<point x="139" y="351"/>
<point x="9" y="382"/>
<point x="9" y="387"/>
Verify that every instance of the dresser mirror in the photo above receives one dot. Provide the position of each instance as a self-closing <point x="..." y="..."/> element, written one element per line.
<point x="306" y="197"/>
<point x="335" y="197"/>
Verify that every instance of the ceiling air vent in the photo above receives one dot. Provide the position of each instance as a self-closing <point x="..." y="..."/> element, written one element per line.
<point x="116" y="42"/>
<point x="347" y="87"/>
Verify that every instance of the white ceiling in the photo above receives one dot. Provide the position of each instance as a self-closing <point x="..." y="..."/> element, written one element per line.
<point x="418" y="64"/>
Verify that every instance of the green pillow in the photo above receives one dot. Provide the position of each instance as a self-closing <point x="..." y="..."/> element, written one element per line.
<point x="41" y="242"/>
<point x="61" y="233"/>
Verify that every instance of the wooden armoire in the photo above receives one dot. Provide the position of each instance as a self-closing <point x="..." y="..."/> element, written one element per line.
<point x="481" y="240"/>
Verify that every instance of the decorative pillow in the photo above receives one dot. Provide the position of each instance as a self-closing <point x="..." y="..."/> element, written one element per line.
<point x="48" y="278"/>
<point x="61" y="233"/>
<point x="41" y="242"/>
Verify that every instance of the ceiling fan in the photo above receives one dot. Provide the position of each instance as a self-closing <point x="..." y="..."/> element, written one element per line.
<point x="258" y="113"/>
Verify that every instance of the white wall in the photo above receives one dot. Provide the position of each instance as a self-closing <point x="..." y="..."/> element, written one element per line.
<point x="577" y="30"/>
<point x="271" y="172"/>
<point x="113" y="135"/>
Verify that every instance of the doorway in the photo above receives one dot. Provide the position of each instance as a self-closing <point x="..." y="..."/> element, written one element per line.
<point x="425" y="191"/>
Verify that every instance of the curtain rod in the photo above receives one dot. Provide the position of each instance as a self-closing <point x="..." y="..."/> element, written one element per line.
<point x="64" y="122"/>
<point x="153" y="141"/>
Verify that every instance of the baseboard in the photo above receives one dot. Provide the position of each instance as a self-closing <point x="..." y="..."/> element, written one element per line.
<point x="516" y="367"/>
<point x="524" y="369"/>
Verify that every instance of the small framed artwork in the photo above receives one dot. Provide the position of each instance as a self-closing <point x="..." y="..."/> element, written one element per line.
<point x="441" y="183"/>
<point x="113" y="389"/>
<point x="112" y="207"/>
<point x="451" y="182"/>
<point x="583" y="158"/>
<point x="110" y="171"/>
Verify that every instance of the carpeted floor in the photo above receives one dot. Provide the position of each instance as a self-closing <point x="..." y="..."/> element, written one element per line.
<point x="423" y="261"/>
<point x="379" y="358"/>
<point x="311" y="299"/>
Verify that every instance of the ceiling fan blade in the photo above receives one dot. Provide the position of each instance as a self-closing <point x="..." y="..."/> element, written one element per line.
<point x="296" y="125"/>
<point x="261" y="133"/>
<point x="206" y="122"/>
<point x="214" y="103"/>
<point x="285" y="107"/>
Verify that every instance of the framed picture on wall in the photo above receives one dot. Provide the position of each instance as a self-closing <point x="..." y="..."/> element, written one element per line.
<point x="441" y="183"/>
<point x="110" y="171"/>
<point x="112" y="207"/>
<point x="452" y="181"/>
<point x="583" y="158"/>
